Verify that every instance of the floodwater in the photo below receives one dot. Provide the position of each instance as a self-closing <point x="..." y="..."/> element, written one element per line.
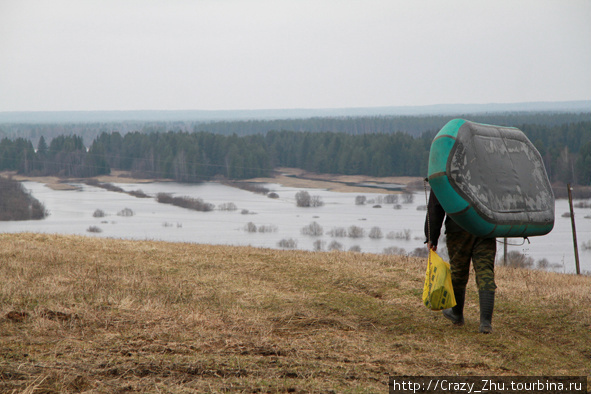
<point x="71" y="212"/>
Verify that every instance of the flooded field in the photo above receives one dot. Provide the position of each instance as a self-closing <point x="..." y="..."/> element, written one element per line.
<point x="245" y="218"/>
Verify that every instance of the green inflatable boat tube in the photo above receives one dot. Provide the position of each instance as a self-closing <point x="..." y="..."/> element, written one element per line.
<point x="491" y="180"/>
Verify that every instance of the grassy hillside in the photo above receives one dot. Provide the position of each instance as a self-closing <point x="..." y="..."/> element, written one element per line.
<point x="88" y="314"/>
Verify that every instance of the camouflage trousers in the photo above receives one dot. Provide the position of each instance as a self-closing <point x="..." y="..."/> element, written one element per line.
<point x="463" y="247"/>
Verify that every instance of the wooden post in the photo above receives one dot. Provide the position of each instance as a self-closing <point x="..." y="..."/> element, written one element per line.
<point x="505" y="251"/>
<point x="572" y="221"/>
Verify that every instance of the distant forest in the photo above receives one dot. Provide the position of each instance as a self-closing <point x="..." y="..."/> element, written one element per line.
<point x="376" y="146"/>
<point x="413" y="125"/>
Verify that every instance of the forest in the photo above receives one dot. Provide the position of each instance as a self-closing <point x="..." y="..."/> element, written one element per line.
<point x="194" y="156"/>
<point x="413" y="125"/>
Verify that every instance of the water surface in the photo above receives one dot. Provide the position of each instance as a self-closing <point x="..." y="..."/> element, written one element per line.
<point x="71" y="212"/>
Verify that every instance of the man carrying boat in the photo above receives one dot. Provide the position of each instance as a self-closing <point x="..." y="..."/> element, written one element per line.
<point x="464" y="247"/>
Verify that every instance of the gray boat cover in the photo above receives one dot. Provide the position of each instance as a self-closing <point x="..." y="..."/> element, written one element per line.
<point x="500" y="172"/>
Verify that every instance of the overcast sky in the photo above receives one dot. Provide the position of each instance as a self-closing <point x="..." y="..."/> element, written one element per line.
<point x="268" y="54"/>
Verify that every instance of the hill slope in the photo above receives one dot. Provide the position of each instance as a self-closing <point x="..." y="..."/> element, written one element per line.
<point x="92" y="314"/>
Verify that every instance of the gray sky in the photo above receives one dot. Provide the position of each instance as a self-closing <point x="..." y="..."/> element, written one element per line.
<point x="267" y="54"/>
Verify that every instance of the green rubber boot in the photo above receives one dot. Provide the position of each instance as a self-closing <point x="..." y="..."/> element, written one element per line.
<point x="456" y="313"/>
<point x="487" y="304"/>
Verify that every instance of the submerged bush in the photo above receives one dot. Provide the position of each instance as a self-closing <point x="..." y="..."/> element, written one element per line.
<point x="338" y="232"/>
<point x="126" y="212"/>
<point x="391" y="199"/>
<point x="195" y="204"/>
<point x="360" y="200"/>
<point x="250" y="227"/>
<point x="355" y="232"/>
<point x="99" y="213"/>
<point x="288" y="243"/>
<point x="334" y="245"/>
<point x="303" y="199"/>
<point x="319" y="245"/>
<point x="251" y="187"/>
<point x="313" y="230"/>
<point x="408" y="197"/>
<point x="394" y="250"/>
<point x="138" y="193"/>
<point x="227" y="206"/>
<point x="375" y="233"/>
<point x="268" y="229"/>
<point x="518" y="260"/>
<point x="420" y="252"/>
<point x="403" y="235"/>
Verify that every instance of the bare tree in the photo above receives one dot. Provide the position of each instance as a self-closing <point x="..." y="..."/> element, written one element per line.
<point x="227" y="206"/>
<point x="404" y="235"/>
<point x="420" y="252"/>
<point x="519" y="260"/>
<point x="125" y="212"/>
<point x="355" y="232"/>
<point x="313" y="230"/>
<point x="288" y="243"/>
<point x="319" y="245"/>
<point x="338" y="232"/>
<point x="375" y="233"/>
<point x="360" y="200"/>
<point x="303" y="199"/>
<point x="250" y="227"/>
<point x="334" y="245"/>
<point x="316" y="201"/>
<point x="99" y="213"/>
<point x="408" y="197"/>
<point x="268" y="229"/>
<point x="391" y="199"/>
<point x="393" y="250"/>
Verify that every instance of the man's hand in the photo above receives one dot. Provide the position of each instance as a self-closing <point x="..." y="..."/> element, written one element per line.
<point x="432" y="247"/>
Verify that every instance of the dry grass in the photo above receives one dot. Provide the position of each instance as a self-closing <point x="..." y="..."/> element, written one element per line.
<point x="52" y="182"/>
<point x="96" y="315"/>
<point x="290" y="177"/>
<point x="294" y="177"/>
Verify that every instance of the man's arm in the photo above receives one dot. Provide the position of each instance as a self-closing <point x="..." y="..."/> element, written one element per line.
<point x="433" y="221"/>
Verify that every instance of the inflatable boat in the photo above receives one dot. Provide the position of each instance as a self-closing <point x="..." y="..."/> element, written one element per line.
<point x="491" y="180"/>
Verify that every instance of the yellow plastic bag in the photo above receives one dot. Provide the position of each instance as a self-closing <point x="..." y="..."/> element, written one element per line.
<point x="438" y="292"/>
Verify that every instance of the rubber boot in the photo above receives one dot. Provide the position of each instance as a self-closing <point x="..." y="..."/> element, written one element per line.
<point x="456" y="313"/>
<point x="487" y="304"/>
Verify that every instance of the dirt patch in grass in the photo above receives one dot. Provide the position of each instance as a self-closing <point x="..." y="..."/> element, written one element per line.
<point x="57" y="183"/>
<point x="293" y="177"/>
<point x="52" y="182"/>
<point x="117" y="176"/>
<point x="91" y="314"/>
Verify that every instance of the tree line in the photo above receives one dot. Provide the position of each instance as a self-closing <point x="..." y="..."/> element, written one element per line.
<point x="65" y="156"/>
<point x="199" y="155"/>
<point x="414" y="125"/>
